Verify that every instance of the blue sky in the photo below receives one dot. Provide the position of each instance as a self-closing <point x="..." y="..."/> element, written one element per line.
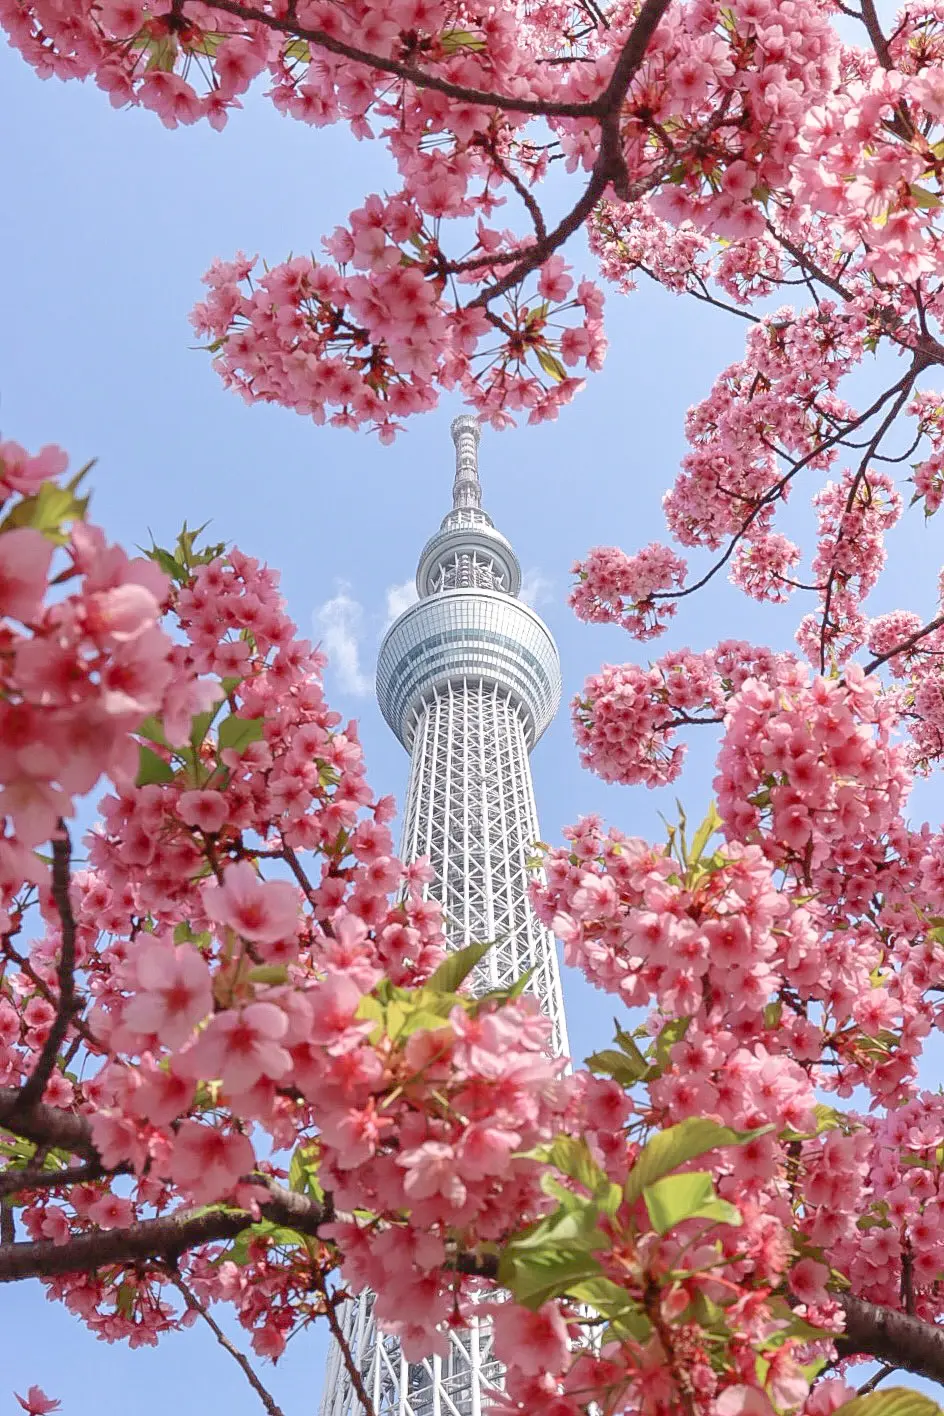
<point x="109" y="223"/>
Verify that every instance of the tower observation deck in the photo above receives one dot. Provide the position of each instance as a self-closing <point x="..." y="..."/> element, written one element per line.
<point x="468" y="679"/>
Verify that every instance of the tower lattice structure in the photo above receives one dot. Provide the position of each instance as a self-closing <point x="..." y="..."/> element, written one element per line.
<point x="468" y="679"/>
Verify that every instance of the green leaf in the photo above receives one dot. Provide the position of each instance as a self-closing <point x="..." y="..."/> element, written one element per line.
<point x="678" y="1145"/>
<point x="272" y="974"/>
<point x="603" y="1294"/>
<point x="153" y="729"/>
<point x="237" y="733"/>
<point x="184" y="934"/>
<point x="303" y="1170"/>
<point x="456" y="967"/>
<point x="675" y="1198"/>
<point x="535" y="1278"/>
<point x="575" y="1224"/>
<point x="551" y="365"/>
<point x="151" y="768"/>
<point x="167" y="563"/>
<point x="922" y="198"/>
<point x="893" y="1401"/>
<point x="50" y="509"/>
<point x="704" y="834"/>
<point x="124" y="1299"/>
<point x="207" y="42"/>
<point x="298" y="49"/>
<point x="571" y="1155"/>
<point x="503" y="995"/>
<point x="672" y="1033"/>
<point x="625" y="1317"/>
<point x="627" y="1043"/>
<point x="188" y="556"/>
<point x="162" y="53"/>
<point x="618" y="1066"/>
<point x="455" y="39"/>
<point x="277" y="1235"/>
<point x="200" y="725"/>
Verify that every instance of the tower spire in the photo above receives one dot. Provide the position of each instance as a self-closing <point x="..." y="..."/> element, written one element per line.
<point x="466" y="489"/>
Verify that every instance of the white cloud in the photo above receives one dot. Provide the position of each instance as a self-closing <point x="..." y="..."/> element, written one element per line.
<point x="339" y="623"/>
<point x="399" y="598"/>
<point x="535" y="588"/>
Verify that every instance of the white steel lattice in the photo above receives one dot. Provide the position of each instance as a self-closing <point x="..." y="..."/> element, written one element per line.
<point x="469" y="707"/>
<point x="471" y="809"/>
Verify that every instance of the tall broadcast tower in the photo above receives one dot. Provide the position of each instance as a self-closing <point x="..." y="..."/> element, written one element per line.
<point x="468" y="679"/>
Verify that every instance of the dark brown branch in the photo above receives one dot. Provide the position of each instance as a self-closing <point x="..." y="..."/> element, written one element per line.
<point x="775" y="491"/>
<point x="47" y="1125"/>
<point x="154" y="1240"/>
<point x="31" y="1178"/>
<point x="905" y="645"/>
<point x="35" y="1085"/>
<point x="609" y="167"/>
<point x="891" y="1337"/>
<point x="869" y="18"/>
<point x="539" y="107"/>
<point x="533" y="210"/>
<point x="924" y="344"/>
<point x="872" y="1383"/>
<point x="240" y="1358"/>
<point x="875" y="443"/>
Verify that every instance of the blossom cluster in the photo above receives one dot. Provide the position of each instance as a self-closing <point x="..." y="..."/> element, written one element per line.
<point x="373" y="336"/>
<point x="236" y="1008"/>
<point x="627" y="718"/>
<point x="618" y="589"/>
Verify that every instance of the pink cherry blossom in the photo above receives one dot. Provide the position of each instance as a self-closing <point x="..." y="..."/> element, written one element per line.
<point x="263" y="910"/>
<point x="37" y="1403"/>
<point x="25" y="556"/>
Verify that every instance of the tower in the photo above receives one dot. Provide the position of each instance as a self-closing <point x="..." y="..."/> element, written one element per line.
<point x="468" y="679"/>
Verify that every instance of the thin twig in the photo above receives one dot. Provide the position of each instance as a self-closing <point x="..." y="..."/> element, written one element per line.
<point x="33" y="1088"/>
<point x="875" y="442"/>
<point x="240" y="1358"/>
<point x="775" y="491"/>
<point x="904" y="646"/>
<point x="883" y="1372"/>
<point x="353" y="1371"/>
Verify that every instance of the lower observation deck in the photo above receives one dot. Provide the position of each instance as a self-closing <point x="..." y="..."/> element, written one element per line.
<point x="482" y="635"/>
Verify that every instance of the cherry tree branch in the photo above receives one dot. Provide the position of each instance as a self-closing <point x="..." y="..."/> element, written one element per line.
<point x="33" y="1088"/>
<point x="240" y="1358"/>
<point x="905" y="645"/>
<point x="883" y="1372"/>
<point x="47" y="1125"/>
<point x="609" y="167"/>
<point x="538" y="107"/>
<point x="774" y="492"/>
<point x="31" y="1178"/>
<point x="160" y="1241"/>
<point x="892" y="1337"/>
<point x="875" y="442"/>
<point x="869" y="18"/>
